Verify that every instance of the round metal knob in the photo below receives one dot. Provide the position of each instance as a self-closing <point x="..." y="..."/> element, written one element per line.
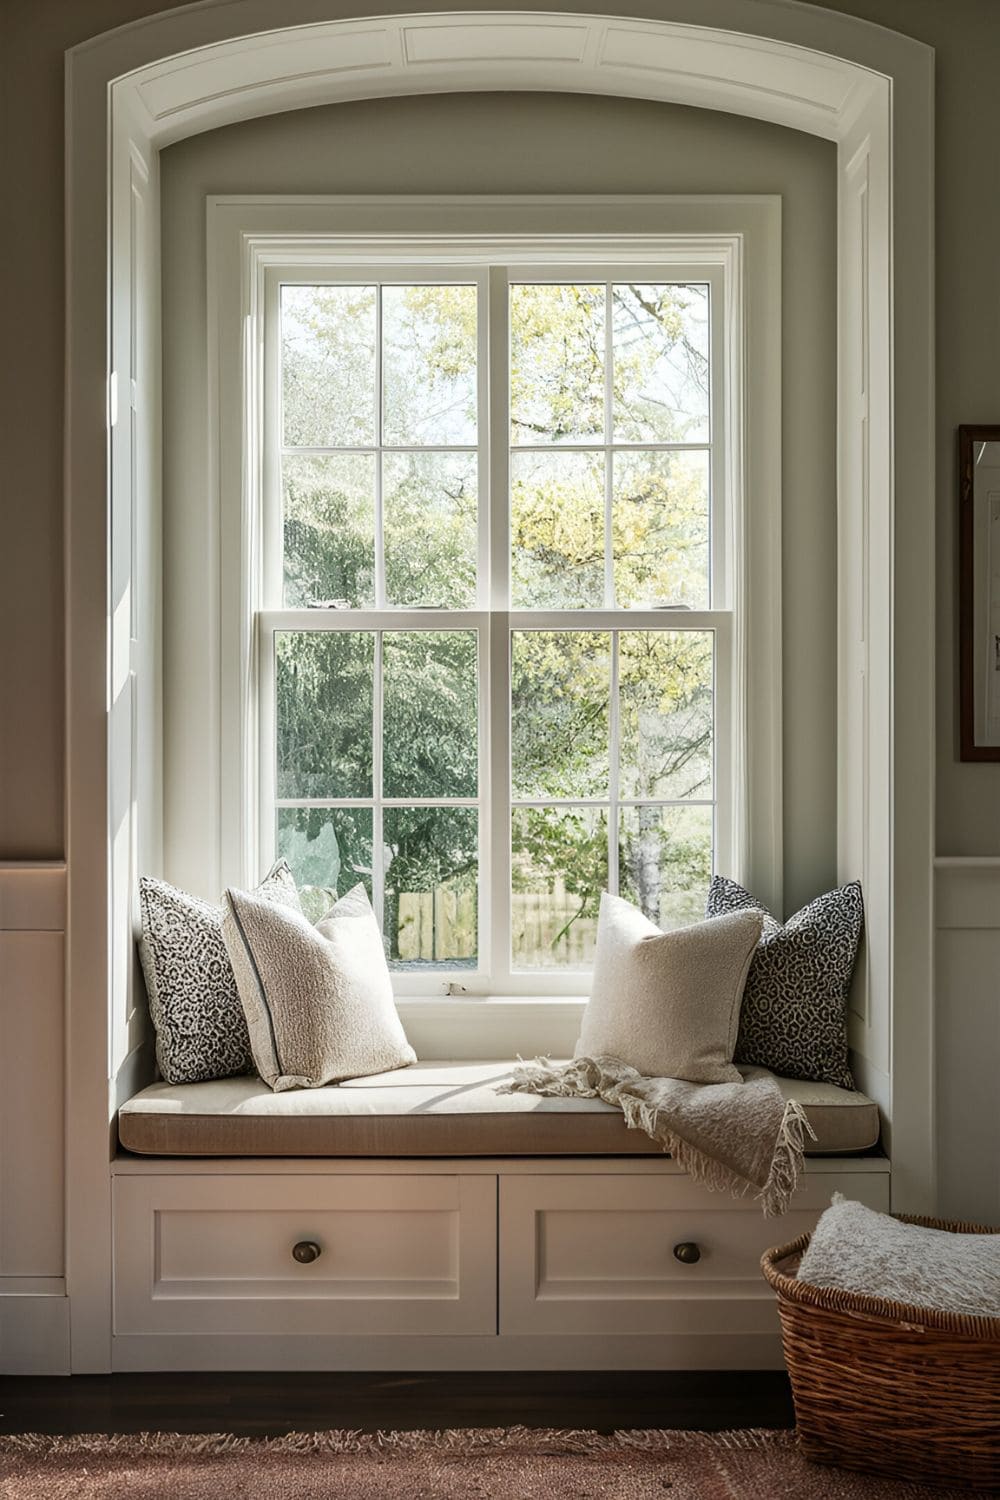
<point x="688" y="1252"/>
<point x="306" y="1251"/>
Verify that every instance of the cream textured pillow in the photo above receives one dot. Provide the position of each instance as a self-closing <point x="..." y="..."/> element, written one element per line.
<point x="318" y="1000"/>
<point x="668" y="1003"/>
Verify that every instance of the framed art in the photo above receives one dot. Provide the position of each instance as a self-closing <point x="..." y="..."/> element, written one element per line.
<point x="979" y="591"/>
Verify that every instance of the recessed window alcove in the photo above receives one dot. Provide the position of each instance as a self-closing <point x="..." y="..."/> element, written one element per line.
<point x="204" y="66"/>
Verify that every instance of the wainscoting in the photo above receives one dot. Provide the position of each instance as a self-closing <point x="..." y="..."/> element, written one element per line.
<point x="967" y="1025"/>
<point x="34" y="1311"/>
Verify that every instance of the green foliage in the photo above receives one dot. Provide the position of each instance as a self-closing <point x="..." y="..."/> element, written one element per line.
<point x="430" y="714"/>
<point x="324" y="711"/>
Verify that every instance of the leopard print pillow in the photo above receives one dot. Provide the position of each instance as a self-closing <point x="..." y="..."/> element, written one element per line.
<point x="201" y="1031"/>
<point x="794" y="1015"/>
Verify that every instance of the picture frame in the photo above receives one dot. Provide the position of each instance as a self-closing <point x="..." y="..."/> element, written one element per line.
<point x="979" y="591"/>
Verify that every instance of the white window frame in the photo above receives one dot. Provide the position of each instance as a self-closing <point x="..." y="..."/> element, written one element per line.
<point x="292" y="251"/>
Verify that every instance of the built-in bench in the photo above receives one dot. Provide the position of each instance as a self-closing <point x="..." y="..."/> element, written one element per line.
<point x="432" y="1109"/>
<point x="422" y="1220"/>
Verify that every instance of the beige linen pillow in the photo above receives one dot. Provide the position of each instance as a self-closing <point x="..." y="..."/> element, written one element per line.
<point x="318" y="1000"/>
<point x="668" y="1003"/>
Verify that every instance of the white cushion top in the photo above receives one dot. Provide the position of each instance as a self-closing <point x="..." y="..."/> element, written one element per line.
<point x="409" y="1109"/>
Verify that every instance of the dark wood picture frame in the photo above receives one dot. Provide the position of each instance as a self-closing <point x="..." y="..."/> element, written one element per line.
<point x="968" y="437"/>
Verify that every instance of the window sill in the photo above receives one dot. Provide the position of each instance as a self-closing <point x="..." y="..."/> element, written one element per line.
<point x="491" y="1002"/>
<point x="473" y="1027"/>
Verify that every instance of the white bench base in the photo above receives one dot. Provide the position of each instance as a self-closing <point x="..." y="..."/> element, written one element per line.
<point x="449" y="1264"/>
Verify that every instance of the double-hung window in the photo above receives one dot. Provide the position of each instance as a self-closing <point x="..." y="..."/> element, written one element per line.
<point x="495" y="647"/>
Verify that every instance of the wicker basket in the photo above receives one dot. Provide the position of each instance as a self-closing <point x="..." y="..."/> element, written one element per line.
<point x="888" y="1388"/>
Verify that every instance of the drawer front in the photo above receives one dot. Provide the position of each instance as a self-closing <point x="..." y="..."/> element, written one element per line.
<point x="595" y="1254"/>
<point x="239" y="1255"/>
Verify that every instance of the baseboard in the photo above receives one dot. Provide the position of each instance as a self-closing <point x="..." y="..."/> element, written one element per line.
<point x="34" y="1333"/>
<point x="757" y="1351"/>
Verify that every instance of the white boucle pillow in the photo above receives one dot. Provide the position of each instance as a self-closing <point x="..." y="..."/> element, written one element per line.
<point x="855" y="1249"/>
<point x="668" y="1003"/>
<point x="318" y="1000"/>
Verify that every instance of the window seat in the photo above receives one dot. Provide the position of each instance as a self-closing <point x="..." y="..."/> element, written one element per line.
<point x="446" y="1109"/>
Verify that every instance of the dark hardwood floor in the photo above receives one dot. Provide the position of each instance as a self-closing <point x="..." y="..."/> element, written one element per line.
<point x="267" y="1405"/>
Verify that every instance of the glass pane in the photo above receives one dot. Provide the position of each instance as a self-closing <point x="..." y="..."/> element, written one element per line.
<point x="665" y="697"/>
<point x="660" y="529"/>
<point x="430" y="508"/>
<point x="560" y="693"/>
<point x="557" y="364"/>
<point x="329" y="850"/>
<point x="429" y="365"/>
<point x="329" y="529"/>
<point x="661" y="354"/>
<point x="557" y="530"/>
<point x="430" y="713"/>
<point x="328" y="366"/>
<point x="665" y="862"/>
<point x="324" y="709"/>
<point x="559" y="867"/>
<point x="431" y="887"/>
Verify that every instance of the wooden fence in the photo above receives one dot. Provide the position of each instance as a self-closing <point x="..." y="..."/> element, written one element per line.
<point x="442" y="924"/>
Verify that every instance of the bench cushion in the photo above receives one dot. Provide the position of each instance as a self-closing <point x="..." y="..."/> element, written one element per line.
<point x="429" y="1109"/>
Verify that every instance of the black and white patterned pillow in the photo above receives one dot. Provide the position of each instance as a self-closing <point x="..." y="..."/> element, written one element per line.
<point x="794" y="1014"/>
<point x="201" y="1031"/>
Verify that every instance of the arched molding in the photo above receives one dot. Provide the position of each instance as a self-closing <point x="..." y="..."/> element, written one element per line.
<point x="202" y="66"/>
<point x="434" y="53"/>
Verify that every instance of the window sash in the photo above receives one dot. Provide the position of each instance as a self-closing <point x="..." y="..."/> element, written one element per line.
<point x="494" y="972"/>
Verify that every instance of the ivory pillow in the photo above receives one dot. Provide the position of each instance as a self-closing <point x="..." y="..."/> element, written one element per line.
<point x="668" y="1003"/>
<point x="318" y="1000"/>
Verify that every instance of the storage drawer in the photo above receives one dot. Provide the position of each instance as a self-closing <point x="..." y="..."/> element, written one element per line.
<point x="396" y="1254"/>
<point x="596" y="1254"/>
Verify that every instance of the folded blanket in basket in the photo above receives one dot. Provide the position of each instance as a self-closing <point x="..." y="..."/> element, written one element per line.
<point x="742" y="1137"/>
<point x="855" y="1249"/>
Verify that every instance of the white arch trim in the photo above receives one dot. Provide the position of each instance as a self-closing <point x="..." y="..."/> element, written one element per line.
<point x="436" y="53"/>
<point x="202" y="66"/>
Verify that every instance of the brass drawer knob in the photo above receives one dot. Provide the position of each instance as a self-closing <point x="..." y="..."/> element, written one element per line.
<point x="687" y="1252"/>
<point x="306" y="1251"/>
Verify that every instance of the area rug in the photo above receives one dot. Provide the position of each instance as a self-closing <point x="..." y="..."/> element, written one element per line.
<point x="514" y="1463"/>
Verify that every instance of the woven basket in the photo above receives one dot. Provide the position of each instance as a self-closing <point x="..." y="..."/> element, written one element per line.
<point x="883" y="1387"/>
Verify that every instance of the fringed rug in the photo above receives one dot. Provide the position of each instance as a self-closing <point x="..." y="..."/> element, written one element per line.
<point x="514" y="1463"/>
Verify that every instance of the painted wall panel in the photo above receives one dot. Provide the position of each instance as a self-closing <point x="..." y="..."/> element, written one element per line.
<point x="31" y="1104"/>
<point x="968" y="1040"/>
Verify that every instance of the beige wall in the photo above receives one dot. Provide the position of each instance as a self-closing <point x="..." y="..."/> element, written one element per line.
<point x="561" y="143"/>
<point x="966" y="34"/>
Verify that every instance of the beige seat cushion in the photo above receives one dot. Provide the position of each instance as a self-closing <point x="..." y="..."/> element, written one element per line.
<point x="429" y="1109"/>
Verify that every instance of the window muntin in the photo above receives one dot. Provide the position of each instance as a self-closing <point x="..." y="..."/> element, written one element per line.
<point x="379" y="418"/>
<point x="641" y="814"/>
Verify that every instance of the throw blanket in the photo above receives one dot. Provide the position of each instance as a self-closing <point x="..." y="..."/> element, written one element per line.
<point x="741" y="1137"/>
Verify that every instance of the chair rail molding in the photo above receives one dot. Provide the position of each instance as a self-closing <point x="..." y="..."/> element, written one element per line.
<point x="205" y="65"/>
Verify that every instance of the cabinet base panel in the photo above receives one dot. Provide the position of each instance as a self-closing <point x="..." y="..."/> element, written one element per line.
<point x="709" y="1351"/>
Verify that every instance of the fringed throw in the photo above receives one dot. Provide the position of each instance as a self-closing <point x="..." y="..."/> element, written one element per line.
<point x="733" y="1137"/>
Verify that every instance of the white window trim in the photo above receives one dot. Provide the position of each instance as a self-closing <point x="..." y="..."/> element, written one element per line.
<point x="738" y="238"/>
